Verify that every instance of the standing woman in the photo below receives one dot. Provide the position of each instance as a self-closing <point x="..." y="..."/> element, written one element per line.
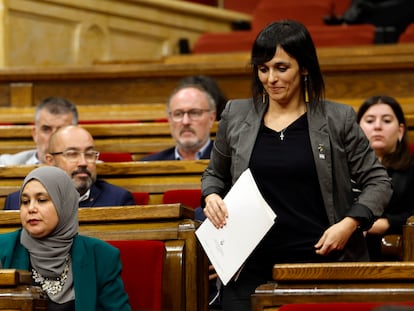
<point x="303" y="152"/>
<point x="382" y="120"/>
<point x="76" y="272"/>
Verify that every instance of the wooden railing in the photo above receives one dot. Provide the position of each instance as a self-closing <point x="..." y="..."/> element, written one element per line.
<point x="384" y="282"/>
<point x="16" y="293"/>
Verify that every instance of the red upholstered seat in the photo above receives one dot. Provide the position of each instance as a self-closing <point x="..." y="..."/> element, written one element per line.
<point x="220" y="42"/>
<point x="412" y="148"/>
<point x="342" y="35"/>
<point x="141" y="198"/>
<point x="142" y="266"/>
<point x="115" y="157"/>
<point x="245" y="6"/>
<point x="341" y="306"/>
<point x="408" y="35"/>
<point x="310" y="12"/>
<point x="187" y="197"/>
<point x="340" y="6"/>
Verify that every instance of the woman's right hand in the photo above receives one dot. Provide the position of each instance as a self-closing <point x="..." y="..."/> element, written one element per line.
<point x="216" y="210"/>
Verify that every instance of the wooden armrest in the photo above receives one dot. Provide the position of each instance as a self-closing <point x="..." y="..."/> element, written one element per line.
<point x="410" y="221"/>
<point x="14" y="277"/>
<point x="344" y="271"/>
<point x="392" y="246"/>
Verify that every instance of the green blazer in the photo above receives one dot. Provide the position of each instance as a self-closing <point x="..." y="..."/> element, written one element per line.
<point x="96" y="270"/>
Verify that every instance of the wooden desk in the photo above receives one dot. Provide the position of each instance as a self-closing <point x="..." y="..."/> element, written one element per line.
<point x="336" y="282"/>
<point x="15" y="294"/>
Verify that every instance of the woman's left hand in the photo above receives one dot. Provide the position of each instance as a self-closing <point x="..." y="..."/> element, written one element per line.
<point x="336" y="236"/>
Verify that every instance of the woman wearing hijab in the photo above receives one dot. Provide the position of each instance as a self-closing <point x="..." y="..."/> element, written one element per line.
<point x="76" y="272"/>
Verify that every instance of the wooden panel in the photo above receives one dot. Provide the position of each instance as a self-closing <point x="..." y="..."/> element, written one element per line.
<point x="351" y="72"/>
<point x="138" y="139"/>
<point x="343" y="271"/>
<point x="69" y="32"/>
<point x="17" y="294"/>
<point x="112" y="112"/>
<point x="269" y="297"/>
<point x="336" y="282"/>
<point x="9" y="277"/>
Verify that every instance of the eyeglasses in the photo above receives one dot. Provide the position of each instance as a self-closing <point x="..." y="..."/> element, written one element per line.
<point x="74" y="155"/>
<point x="193" y="114"/>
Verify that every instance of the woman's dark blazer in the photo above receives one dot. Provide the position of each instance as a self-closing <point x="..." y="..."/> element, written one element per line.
<point x="341" y="152"/>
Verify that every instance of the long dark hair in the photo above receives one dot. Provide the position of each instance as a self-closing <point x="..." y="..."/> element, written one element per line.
<point x="402" y="157"/>
<point x="294" y="39"/>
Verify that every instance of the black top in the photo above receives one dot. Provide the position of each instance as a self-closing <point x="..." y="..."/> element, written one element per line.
<point x="401" y="206"/>
<point x="286" y="176"/>
<point x="68" y="306"/>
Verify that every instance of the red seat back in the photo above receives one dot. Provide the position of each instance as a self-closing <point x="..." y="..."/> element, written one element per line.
<point x="224" y="42"/>
<point x="187" y="197"/>
<point x="142" y="266"/>
<point x="411" y="146"/>
<point x="309" y="12"/>
<point x="408" y="35"/>
<point x="141" y="198"/>
<point x="115" y="156"/>
<point x="342" y="35"/>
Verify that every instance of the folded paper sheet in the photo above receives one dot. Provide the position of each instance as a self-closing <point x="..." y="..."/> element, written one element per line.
<point x="250" y="218"/>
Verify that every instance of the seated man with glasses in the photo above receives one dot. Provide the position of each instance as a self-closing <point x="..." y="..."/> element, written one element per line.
<point x="191" y="115"/>
<point x="72" y="149"/>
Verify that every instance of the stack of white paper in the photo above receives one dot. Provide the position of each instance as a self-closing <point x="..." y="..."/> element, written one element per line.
<point x="250" y="218"/>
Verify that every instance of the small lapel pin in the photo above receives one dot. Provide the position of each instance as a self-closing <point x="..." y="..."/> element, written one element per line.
<point x="321" y="150"/>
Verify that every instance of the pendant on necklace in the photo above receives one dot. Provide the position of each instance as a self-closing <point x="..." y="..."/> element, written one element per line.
<point x="282" y="134"/>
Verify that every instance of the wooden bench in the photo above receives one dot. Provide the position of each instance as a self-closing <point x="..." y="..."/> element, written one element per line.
<point x="138" y="139"/>
<point x="350" y="72"/>
<point x="185" y="278"/>
<point x="336" y="282"/>
<point x="17" y="294"/>
<point x="142" y="112"/>
<point x="153" y="177"/>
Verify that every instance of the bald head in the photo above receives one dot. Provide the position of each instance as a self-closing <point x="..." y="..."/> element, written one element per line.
<point x="69" y="149"/>
<point x="68" y="137"/>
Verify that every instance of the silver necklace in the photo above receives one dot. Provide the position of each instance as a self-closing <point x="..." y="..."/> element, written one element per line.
<point x="52" y="287"/>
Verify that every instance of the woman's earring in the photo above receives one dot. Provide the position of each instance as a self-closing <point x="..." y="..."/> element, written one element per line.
<point x="264" y="96"/>
<point x="306" y="89"/>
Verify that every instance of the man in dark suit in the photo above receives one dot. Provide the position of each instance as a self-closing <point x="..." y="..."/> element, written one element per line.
<point x="72" y="149"/>
<point x="191" y="115"/>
